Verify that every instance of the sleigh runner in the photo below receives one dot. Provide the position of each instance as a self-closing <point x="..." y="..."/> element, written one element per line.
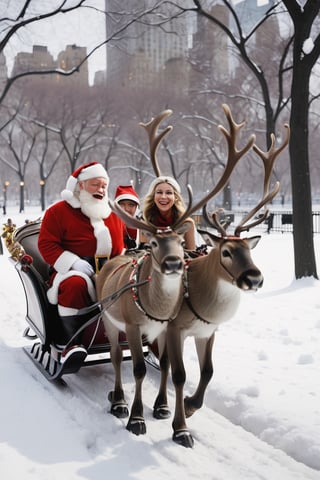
<point x="45" y="328"/>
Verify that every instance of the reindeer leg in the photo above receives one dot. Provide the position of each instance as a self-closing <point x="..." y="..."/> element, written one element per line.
<point x="204" y="350"/>
<point x="181" y="434"/>
<point x="161" y="408"/>
<point x="136" y="423"/>
<point x="119" y="407"/>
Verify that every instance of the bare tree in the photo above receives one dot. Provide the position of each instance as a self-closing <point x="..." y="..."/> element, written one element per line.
<point x="306" y="53"/>
<point x="25" y="15"/>
<point x="295" y="64"/>
<point x="31" y="12"/>
<point x="20" y="143"/>
<point x="72" y="125"/>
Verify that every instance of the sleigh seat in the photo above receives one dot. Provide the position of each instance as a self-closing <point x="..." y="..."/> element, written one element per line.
<point x="45" y="327"/>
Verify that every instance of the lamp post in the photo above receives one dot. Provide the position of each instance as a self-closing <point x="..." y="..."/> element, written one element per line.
<point x="5" y="187"/>
<point x="21" y="196"/>
<point x="42" y="194"/>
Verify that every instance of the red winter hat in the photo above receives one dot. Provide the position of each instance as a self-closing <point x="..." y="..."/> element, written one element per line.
<point x="84" y="172"/>
<point x="126" y="192"/>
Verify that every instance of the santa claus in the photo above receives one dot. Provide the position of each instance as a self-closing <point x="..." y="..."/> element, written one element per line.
<point x="78" y="234"/>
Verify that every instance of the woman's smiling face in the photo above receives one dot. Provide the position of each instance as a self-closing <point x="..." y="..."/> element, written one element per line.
<point x="164" y="197"/>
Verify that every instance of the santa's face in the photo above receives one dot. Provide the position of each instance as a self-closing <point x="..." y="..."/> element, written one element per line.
<point x="93" y="198"/>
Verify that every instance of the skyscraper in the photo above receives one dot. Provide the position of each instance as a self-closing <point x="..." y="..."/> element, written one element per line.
<point x="145" y="54"/>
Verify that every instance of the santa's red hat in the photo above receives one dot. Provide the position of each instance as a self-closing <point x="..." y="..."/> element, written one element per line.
<point x="126" y="192"/>
<point x="84" y="172"/>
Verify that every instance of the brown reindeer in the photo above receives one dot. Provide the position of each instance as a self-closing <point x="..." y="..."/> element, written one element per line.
<point x="144" y="311"/>
<point x="148" y="310"/>
<point x="213" y="285"/>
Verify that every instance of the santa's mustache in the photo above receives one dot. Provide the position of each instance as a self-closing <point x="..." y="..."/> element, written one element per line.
<point x="94" y="205"/>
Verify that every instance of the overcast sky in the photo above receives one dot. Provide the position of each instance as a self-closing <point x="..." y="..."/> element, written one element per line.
<point x="83" y="27"/>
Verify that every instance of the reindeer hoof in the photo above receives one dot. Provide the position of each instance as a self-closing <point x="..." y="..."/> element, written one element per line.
<point x="118" y="408"/>
<point x="189" y="407"/>
<point x="183" y="438"/>
<point x="161" y="412"/>
<point x="137" y="426"/>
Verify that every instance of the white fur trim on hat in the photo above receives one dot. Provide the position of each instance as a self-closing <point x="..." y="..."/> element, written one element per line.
<point x="164" y="179"/>
<point x="67" y="193"/>
<point x="127" y="197"/>
<point x="126" y="192"/>
<point x="93" y="171"/>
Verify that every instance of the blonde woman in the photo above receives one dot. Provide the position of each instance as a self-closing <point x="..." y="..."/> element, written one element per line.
<point x="163" y="205"/>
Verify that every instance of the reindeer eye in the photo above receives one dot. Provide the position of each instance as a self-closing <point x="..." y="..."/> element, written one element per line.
<point x="226" y="253"/>
<point x="153" y="243"/>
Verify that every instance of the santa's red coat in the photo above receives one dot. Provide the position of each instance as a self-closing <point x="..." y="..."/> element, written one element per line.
<point x="67" y="234"/>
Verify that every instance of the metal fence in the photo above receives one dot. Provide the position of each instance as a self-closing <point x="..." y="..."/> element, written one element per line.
<point x="280" y="221"/>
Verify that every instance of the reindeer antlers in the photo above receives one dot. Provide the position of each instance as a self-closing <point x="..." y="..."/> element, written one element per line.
<point x="232" y="136"/>
<point x="155" y="137"/>
<point x="268" y="159"/>
<point x="132" y="222"/>
<point x="234" y="156"/>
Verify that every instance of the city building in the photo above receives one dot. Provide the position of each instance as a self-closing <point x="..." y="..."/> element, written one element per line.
<point x="37" y="60"/>
<point x="3" y="69"/>
<point x="145" y="55"/>
<point x="70" y="58"/>
<point x="186" y="52"/>
<point x="209" y="53"/>
<point x="41" y="59"/>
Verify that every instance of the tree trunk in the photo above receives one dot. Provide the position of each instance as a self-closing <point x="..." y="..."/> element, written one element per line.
<point x="305" y="264"/>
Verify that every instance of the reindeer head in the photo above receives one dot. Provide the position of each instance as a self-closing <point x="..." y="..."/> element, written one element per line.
<point x="235" y="257"/>
<point x="166" y="244"/>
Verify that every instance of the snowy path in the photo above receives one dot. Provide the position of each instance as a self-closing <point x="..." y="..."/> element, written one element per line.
<point x="77" y="416"/>
<point x="266" y="379"/>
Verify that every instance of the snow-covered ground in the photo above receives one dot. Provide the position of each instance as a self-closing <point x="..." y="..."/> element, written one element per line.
<point x="261" y="418"/>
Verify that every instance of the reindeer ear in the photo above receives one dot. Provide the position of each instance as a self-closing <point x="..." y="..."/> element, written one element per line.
<point x="184" y="227"/>
<point x="211" y="239"/>
<point x="253" y="241"/>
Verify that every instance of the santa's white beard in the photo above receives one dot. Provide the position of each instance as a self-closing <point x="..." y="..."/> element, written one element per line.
<point x="92" y="207"/>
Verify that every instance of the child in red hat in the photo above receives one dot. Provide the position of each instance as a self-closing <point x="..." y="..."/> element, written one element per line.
<point x="128" y="200"/>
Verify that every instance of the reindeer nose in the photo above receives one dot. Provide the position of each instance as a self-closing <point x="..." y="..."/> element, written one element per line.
<point x="172" y="264"/>
<point x="250" y="280"/>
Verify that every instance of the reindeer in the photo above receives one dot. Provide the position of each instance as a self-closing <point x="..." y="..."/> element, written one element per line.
<point x="213" y="284"/>
<point x="148" y="310"/>
<point x="145" y="311"/>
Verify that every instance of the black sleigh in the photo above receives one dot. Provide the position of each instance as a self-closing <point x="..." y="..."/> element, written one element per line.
<point x="45" y="329"/>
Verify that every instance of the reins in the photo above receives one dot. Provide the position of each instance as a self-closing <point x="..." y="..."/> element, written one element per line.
<point x="186" y="292"/>
<point x="102" y="306"/>
<point x="134" y="276"/>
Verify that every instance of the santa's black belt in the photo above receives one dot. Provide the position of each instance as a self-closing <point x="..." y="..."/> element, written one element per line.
<point x="97" y="261"/>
